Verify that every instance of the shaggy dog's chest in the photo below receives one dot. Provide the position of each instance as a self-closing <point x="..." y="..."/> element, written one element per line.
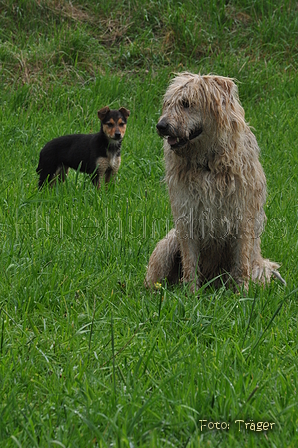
<point x="204" y="221"/>
<point x="200" y="211"/>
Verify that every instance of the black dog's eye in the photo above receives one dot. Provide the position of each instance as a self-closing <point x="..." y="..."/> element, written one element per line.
<point x="185" y="104"/>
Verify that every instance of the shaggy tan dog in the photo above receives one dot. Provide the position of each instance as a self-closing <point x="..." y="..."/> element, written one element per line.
<point x="216" y="184"/>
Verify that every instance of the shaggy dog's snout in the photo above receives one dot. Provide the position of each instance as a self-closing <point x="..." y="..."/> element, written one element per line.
<point x="163" y="127"/>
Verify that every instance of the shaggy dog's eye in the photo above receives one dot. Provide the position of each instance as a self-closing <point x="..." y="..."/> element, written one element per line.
<point x="185" y="104"/>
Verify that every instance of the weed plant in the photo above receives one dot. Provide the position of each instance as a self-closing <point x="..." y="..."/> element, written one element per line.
<point x="88" y="356"/>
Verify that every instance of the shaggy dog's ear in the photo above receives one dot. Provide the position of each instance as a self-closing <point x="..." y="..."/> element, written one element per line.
<point x="225" y="84"/>
<point x="234" y="110"/>
<point x="229" y="90"/>
<point x="230" y="86"/>
<point x="228" y="110"/>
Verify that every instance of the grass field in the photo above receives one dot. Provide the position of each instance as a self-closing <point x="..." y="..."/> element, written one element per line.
<point x="88" y="356"/>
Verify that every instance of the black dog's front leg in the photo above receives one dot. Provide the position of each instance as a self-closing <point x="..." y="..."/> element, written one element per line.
<point x="96" y="179"/>
<point x="108" y="175"/>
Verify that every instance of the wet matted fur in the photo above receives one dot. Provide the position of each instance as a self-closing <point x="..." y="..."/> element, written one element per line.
<point x="216" y="184"/>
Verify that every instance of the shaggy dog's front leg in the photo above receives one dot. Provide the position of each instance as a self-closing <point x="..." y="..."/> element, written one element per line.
<point x="247" y="251"/>
<point x="190" y="257"/>
<point x="240" y="271"/>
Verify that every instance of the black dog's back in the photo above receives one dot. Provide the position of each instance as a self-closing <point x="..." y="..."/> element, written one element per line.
<point x="84" y="151"/>
<point x="71" y="151"/>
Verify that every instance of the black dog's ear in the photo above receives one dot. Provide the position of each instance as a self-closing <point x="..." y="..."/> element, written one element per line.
<point x="124" y="112"/>
<point x="103" y="112"/>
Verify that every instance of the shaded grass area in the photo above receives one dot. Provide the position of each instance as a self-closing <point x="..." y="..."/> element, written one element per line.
<point x="89" y="357"/>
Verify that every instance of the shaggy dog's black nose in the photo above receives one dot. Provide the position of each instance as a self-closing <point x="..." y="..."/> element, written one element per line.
<point x="162" y="126"/>
<point x="117" y="135"/>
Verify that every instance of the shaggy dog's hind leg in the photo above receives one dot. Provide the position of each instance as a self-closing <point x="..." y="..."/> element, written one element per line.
<point x="264" y="269"/>
<point x="165" y="261"/>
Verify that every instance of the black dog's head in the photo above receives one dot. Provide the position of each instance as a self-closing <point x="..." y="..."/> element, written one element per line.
<point x="113" y="123"/>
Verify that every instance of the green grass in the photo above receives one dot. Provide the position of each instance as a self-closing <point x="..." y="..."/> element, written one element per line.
<point x="88" y="356"/>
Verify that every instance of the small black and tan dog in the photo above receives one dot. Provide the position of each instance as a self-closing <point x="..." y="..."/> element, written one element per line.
<point x="95" y="154"/>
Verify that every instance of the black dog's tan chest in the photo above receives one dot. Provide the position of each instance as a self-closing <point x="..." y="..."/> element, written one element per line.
<point x="108" y="165"/>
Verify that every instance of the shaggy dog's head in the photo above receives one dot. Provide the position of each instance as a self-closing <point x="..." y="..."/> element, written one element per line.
<point x="198" y="108"/>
